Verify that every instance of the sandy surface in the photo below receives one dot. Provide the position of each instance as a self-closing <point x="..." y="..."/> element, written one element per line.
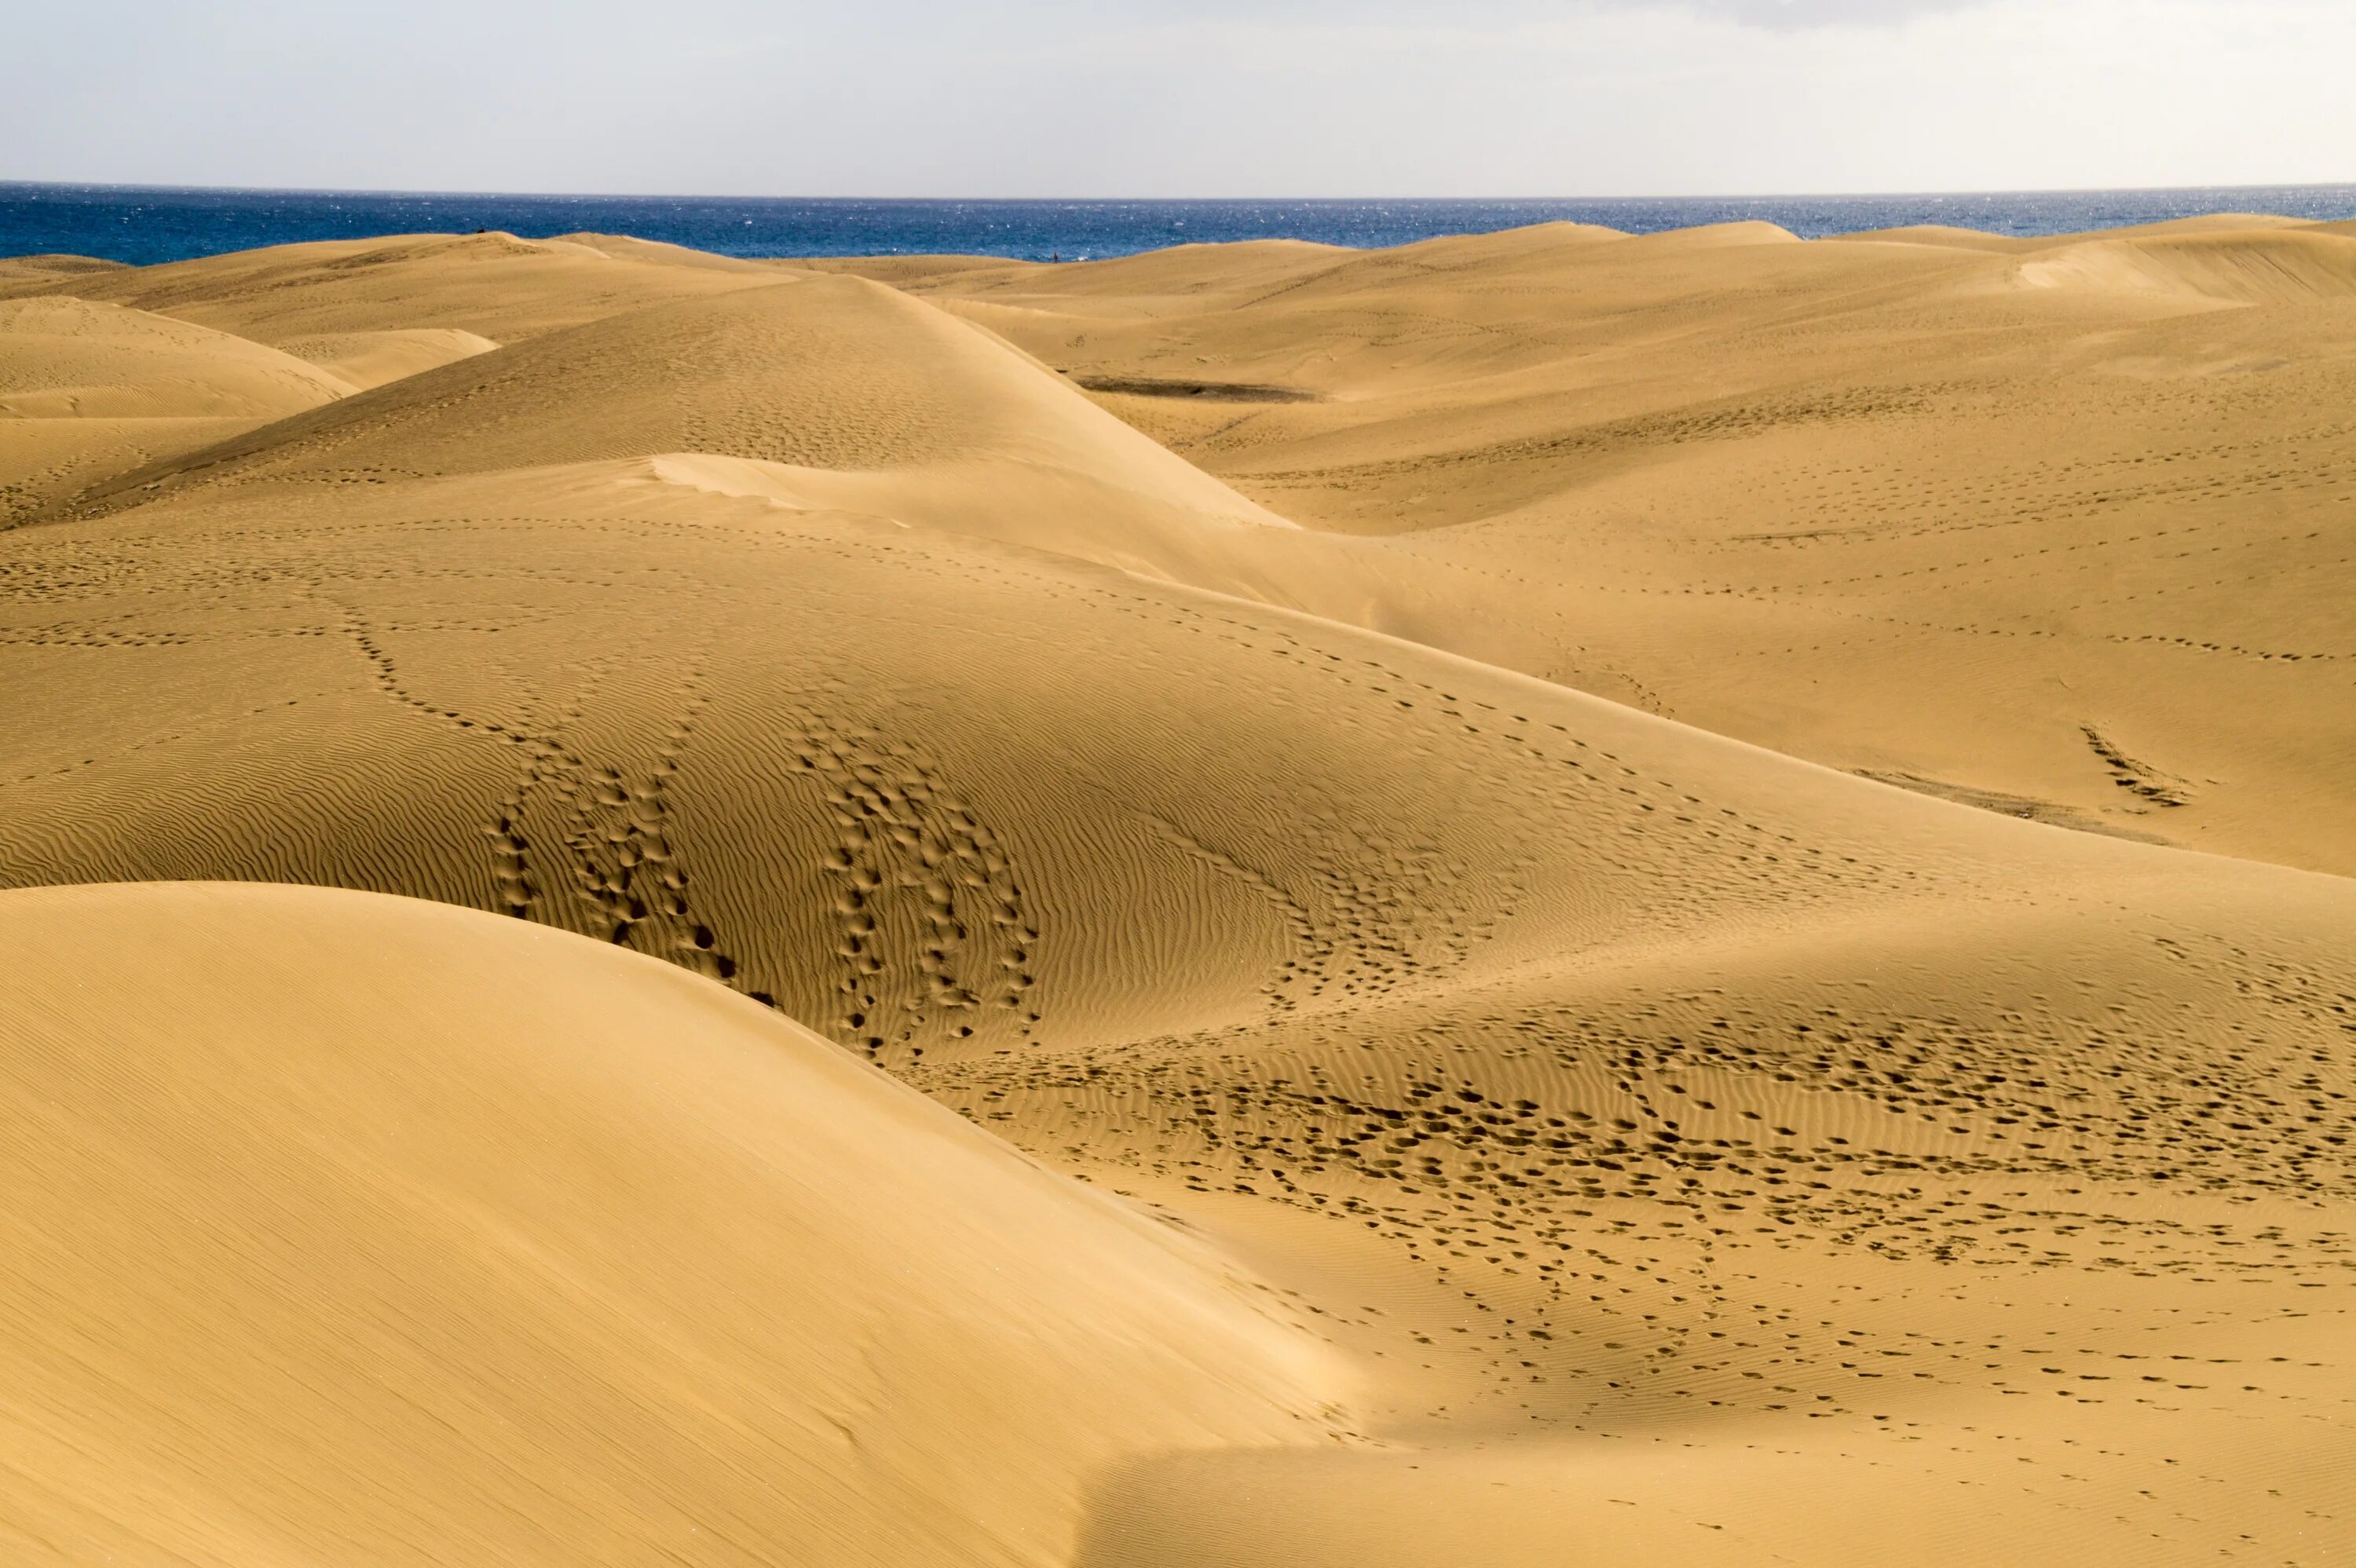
<point x="1679" y="896"/>
<point x="2061" y="520"/>
<point x="349" y="1228"/>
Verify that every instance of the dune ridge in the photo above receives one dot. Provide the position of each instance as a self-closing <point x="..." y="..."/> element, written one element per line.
<point x="1853" y="501"/>
<point x="1594" y="933"/>
<point x="88" y="390"/>
<point x="2287" y="266"/>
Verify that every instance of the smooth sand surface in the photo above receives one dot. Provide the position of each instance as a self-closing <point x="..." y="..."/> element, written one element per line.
<point x="88" y="391"/>
<point x="365" y="359"/>
<point x="1350" y="761"/>
<point x="354" y="1229"/>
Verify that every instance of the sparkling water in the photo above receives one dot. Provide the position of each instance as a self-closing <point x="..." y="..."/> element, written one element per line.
<point x="148" y="224"/>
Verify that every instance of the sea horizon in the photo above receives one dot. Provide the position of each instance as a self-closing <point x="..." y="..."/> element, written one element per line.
<point x="148" y="224"/>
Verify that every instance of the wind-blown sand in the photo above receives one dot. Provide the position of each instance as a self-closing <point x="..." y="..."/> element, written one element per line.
<point x="1189" y="715"/>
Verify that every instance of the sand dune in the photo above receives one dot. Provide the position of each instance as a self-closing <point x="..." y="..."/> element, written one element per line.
<point x="67" y="359"/>
<point x="2287" y="267"/>
<point x="365" y="359"/>
<point x="1660" y="1144"/>
<point x="494" y="285"/>
<point x="563" y="1255"/>
<point x="2074" y="547"/>
<point x="88" y="391"/>
<point x="801" y="374"/>
<point x="832" y="394"/>
<point x="34" y="273"/>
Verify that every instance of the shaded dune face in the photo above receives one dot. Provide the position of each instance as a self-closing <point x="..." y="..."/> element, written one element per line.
<point x="1658" y="1140"/>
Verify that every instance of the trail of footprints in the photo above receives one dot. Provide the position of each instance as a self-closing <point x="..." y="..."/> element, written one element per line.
<point x="932" y="928"/>
<point x="626" y="869"/>
<point x="1603" y="1203"/>
<point x="628" y="882"/>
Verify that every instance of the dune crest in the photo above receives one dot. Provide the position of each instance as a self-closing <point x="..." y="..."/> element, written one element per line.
<point x="366" y="359"/>
<point x="2267" y="267"/>
<point x="1671" y="896"/>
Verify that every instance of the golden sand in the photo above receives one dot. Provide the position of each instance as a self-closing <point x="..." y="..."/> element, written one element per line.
<point x="1584" y="896"/>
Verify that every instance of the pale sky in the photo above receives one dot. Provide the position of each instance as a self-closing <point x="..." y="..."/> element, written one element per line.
<point x="1152" y="98"/>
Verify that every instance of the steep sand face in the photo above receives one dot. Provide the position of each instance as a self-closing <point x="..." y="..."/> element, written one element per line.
<point x="354" y="1228"/>
<point x="2053" y="526"/>
<point x="1690" y="1150"/>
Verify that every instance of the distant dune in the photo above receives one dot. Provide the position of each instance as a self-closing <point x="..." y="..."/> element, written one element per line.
<point x="494" y="285"/>
<point x="89" y="390"/>
<point x="2289" y="267"/>
<point x="1679" y="897"/>
<point x="2054" y="520"/>
<point x="366" y="359"/>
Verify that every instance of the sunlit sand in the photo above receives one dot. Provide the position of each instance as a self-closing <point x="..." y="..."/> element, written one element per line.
<point x="1536" y="898"/>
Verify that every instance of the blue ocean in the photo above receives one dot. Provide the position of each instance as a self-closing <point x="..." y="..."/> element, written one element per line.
<point x="148" y="224"/>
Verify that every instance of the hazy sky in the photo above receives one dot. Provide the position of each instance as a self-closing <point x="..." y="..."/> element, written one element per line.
<point x="1157" y="98"/>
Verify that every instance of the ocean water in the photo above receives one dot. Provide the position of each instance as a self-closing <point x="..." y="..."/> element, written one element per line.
<point x="148" y="224"/>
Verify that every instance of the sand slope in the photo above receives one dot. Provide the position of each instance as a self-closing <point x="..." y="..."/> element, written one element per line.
<point x="2287" y="267"/>
<point x="366" y="359"/>
<point x="88" y="390"/>
<point x="34" y="273"/>
<point x="2055" y="525"/>
<point x="67" y="359"/>
<point x="832" y="393"/>
<point x="564" y="1256"/>
<point x="1425" y="988"/>
<point x="494" y="285"/>
<point x="1690" y="1150"/>
<point x="343" y="316"/>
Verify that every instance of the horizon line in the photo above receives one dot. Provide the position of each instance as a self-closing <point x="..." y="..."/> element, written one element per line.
<point x="1193" y="200"/>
